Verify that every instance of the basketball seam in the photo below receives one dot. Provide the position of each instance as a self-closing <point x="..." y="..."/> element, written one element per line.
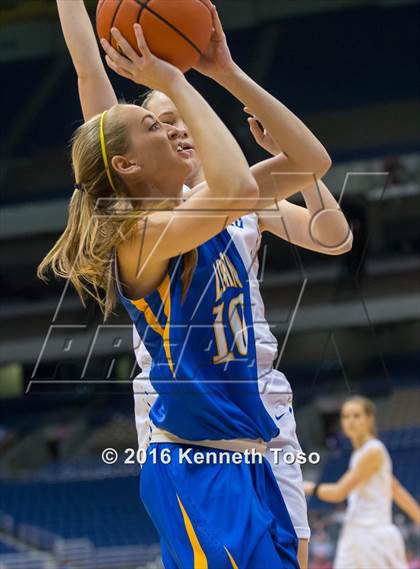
<point x="113" y="20"/>
<point x="142" y="7"/>
<point x="170" y="25"/>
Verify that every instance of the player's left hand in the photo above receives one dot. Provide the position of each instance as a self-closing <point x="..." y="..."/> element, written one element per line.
<point x="143" y="67"/>
<point x="216" y="61"/>
<point x="261" y="135"/>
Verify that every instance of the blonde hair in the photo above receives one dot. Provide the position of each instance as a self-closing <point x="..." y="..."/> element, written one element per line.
<point x="100" y="215"/>
<point x="147" y="97"/>
<point x="368" y="407"/>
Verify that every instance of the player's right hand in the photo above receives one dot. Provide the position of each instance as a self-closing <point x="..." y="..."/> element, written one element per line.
<point x="308" y="488"/>
<point x="145" y="69"/>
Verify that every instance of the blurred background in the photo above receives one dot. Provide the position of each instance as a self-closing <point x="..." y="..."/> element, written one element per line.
<point x="349" y="324"/>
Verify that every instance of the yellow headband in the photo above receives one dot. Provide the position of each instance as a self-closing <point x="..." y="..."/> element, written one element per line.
<point x="103" y="147"/>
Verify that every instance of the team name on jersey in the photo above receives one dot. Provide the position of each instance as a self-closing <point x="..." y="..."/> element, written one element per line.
<point x="225" y="275"/>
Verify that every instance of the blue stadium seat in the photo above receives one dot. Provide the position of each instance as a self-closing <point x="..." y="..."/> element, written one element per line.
<point x="107" y="511"/>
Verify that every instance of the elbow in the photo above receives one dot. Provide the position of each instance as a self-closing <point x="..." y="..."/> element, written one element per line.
<point x="247" y="193"/>
<point x="242" y="195"/>
<point x="253" y="192"/>
<point x="340" y="495"/>
<point x="345" y="247"/>
<point x="319" y="163"/>
<point x="322" y="164"/>
<point x="251" y="189"/>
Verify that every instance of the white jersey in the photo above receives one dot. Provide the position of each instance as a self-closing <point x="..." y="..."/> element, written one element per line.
<point x="368" y="538"/>
<point x="371" y="502"/>
<point x="246" y="236"/>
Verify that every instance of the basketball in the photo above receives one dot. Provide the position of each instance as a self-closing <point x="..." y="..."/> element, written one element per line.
<point x="177" y="31"/>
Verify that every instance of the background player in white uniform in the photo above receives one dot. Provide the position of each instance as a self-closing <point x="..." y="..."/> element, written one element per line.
<point x="368" y="540"/>
<point x="327" y="232"/>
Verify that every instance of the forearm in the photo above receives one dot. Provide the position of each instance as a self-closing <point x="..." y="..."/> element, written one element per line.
<point x="95" y="90"/>
<point x="411" y="508"/>
<point x="225" y="167"/>
<point x="287" y="130"/>
<point x="330" y="493"/>
<point x="80" y="37"/>
<point x="406" y="502"/>
<point x="327" y="223"/>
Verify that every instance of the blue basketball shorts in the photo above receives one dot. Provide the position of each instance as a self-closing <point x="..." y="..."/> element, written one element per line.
<point x="216" y="514"/>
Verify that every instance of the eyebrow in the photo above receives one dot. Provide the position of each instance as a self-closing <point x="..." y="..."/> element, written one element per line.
<point x="167" y="113"/>
<point x="147" y="117"/>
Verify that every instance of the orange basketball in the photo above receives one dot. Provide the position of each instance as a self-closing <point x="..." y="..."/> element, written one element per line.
<point x="177" y="31"/>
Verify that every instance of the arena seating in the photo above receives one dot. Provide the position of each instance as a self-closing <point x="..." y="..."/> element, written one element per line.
<point x="105" y="511"/>
<point x="98" y="523"/>
<point x="13" y="558"/>
<point x="6" y="548"/>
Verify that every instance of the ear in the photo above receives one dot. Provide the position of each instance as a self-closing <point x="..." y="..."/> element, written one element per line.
<point x="125" y="167"/>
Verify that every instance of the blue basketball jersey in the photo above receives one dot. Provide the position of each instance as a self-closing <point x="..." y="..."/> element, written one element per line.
<point x="203" y="348"/>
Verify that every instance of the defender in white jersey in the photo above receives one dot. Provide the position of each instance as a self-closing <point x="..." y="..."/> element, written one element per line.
<point x="290" y="222"/>
<point x="369" y="539"/>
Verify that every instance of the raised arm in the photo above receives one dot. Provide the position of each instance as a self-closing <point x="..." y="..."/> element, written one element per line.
<point x="320" y="226"/>
<point x="302" y="151"/>
<point x="95" y="89"/>
<point x="369" y="463"/>
<point x="405" y="501"/>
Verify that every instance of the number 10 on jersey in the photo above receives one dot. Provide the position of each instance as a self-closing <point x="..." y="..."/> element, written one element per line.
<point x="230" y="321"/>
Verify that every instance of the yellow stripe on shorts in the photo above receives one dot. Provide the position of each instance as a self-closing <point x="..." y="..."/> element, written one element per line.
<point x="200" y="559"/>
<point x="231" y="559"/>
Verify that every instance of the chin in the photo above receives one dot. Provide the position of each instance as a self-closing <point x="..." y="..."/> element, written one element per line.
<point x="179" y="167"/>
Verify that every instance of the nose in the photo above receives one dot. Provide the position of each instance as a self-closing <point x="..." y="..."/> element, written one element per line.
<point x="177" y="132"/>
